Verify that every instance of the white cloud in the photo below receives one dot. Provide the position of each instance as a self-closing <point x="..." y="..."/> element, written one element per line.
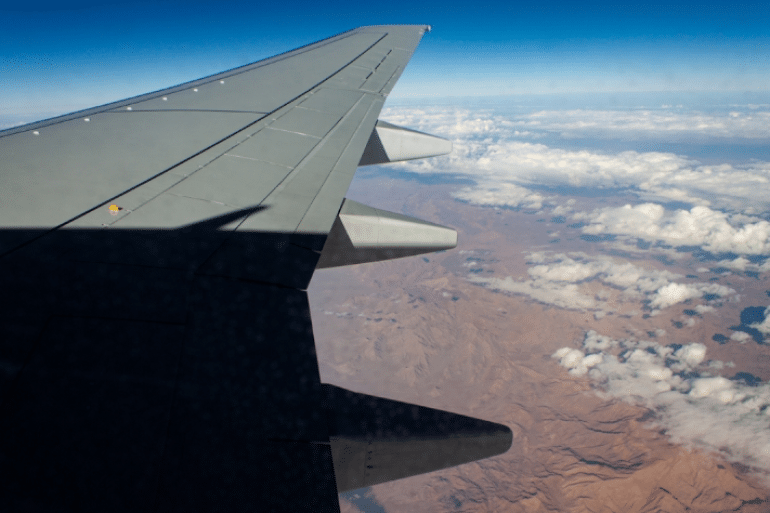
<point x="452" y="121"/>
<point x="559" y="279"/>
<point x="643" y="123"/>
<point x="695" y="408"/>
<point x="739" y="264"/>
<point x="718" y="387"/>
<point x="690" y="355"/>
<point x="671" y="294"/>
<point x="594" y="342"/>
<point x="497" y="151"/>
<point x="502" y="194"/>
<point x="713" y="230"/>
<point x="569" y="123"/>
<point x="564" y="296"/>
<point x="764" y="326"/>
<point x="576" y="361"/>
<point x="740" y="336"/>
<point x="674" y="293"/>
<point x="564" y="208"/>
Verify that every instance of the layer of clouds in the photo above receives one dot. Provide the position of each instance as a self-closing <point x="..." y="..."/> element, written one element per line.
<point x="701" y="226"/>
<point x="742" y="121"/>
<point x="743" y="264"/>
<point x="562" y="295"/>
<point x="502" y="194"/>
<point x="560" y="279"/>
<point x="695" y="407"/>
<point x="640" y="123"/>
<point x="497" y="150"/>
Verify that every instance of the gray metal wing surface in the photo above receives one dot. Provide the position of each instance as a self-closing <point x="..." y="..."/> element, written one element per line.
<point x="156" y="350"/>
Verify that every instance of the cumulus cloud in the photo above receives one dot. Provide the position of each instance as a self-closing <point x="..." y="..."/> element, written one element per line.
<point x="502" y="194"/>
<point x="764" y="326"/>
<point x="560" y="279"/>
<point x="674" y="293"/>
<point x="695" y="408"/>
<point x="671" y="294"/>
<point x="739" y="264"/>
<point x="701" y="226"/>
<point x="494" y="150"/>
<point x="740" y="336"/>
<point x="576" y="361"/>
<point x="565" y="295"/>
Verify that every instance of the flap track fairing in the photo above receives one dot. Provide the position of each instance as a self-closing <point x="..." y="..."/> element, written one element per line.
<point x="365" y="234"/>
<point x="375" y="440"/>
<point x="391" y="143"/>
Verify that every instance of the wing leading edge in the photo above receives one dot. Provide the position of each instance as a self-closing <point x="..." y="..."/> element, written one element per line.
<point x="155" y="336"/>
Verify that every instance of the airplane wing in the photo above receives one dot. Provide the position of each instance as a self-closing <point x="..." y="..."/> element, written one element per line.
<point x="156" y="349"/>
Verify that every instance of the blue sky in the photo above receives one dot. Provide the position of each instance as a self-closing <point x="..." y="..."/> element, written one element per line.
<point x="62" y="56"/>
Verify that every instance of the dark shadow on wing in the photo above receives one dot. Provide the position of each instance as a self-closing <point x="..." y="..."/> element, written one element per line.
<point x="172" y="370"/>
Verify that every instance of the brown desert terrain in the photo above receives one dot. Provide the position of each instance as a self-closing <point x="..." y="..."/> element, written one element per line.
<point x="417" y="330"/>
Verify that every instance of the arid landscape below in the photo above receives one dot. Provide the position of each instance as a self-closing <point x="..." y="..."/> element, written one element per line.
<point x="608" y="299"/>
<point x="435" y="331"/>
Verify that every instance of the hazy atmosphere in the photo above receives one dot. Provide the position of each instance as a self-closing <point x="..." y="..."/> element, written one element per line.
<point x="624" y="250"/>
<point x="667" y="231"/>
<point x="609" y="299"/>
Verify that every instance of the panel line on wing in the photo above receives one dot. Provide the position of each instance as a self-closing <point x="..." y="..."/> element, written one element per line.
<point x="300" y="166"/>
<point x="326" y="179"/>
<point x="113" y="198"/>
<point x="295" y="132"/>
<point x="289" y="202"/>
<point x="224" y="111"/>
<point x="393" y="77"/>
<point x="259" y="148"/>
<point x="255" y="160"/>
<point x="207" y="188"/>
